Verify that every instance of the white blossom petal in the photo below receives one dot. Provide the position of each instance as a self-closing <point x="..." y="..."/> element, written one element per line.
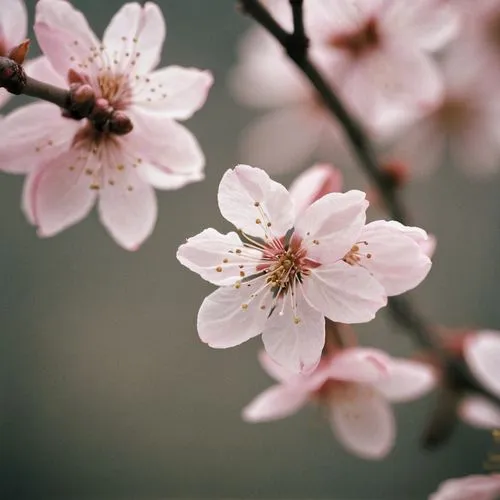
<point x="13" y="22"/>
<point x="175" y="92"/>
<point x="407" y="380"/>
<point x="473" y="487"/>
<point x="344" y="293"/>
<point x="27" y="144"/>
<point x="392" y="257"/>
<point x="482" y="353"/>
<point x="332" y="224"/>
<point x="138" y="31"/>
<point x="60" y="193"/>
<point x="64" y="35"/>
<point x="362" y="420"/>
<point x="219" y="258"/>
<point x="254" y="203"/>
<point x="295" y="338"/>
<point x="359" y="364"/>
<point x="277" y="402"/>
<point x="478" y="411"/>
<point x="231" y="316"/>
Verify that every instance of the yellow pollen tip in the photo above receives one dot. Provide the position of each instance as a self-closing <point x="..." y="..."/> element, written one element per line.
<point x="256" y="204"/>
<point x="244" y="306"/>
<point x="218" y="269"/>
<point x="296" y="320"/>
<point x="237" y="284"/>
<point x="257" y="221"/>
<point x="225" y="261"/>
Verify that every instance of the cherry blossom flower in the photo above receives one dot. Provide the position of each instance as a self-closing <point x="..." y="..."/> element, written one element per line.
<point x="481" y="351"/>
<point x="465" y="125"/>
<point x="13" y="30"/>
<point x="486" y="487"/>
<point x="380" y="52"/>
<point x="281" y="274"/>
<point x="73" y="164"/>
<point x="356" y="386"/>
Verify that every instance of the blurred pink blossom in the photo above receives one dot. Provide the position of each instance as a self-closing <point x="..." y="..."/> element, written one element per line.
<point x="380" y="53"/>
<point x="284" y="272"/>
<point x="13" y="30"/>
<point x="71" y="164"/>
<point x="475" y="487"/>
<point x="356" y="386"/>
<point x="481" y="351"/>
<point x="466" y="125"/>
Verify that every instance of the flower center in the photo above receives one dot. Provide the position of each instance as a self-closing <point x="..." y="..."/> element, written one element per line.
<point x="288" y="265"/>
<point x="360" y="41"/>
<point x="354" y="255"/>
<point x="115" y="88"/>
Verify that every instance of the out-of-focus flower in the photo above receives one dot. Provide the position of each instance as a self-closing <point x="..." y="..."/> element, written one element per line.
<point x="13" y="30"/>
<point x="357" y="386"/>
<point x="284" y="273"/>
<point x="480" y="30"/>
<point x="297" y="126"/>
<point x="466" y="125"/>
<point x="481" y="351"/>
<point x="72" y="164"/>
<point x="313" y="184"/>
<point x="377" y="54"/>
<point x="476" y="487"/>
<point x="380" y="52"/>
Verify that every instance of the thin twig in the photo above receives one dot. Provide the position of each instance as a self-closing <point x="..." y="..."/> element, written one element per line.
<point x="401" y="309"/>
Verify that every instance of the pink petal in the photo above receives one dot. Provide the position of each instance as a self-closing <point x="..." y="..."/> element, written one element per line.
<point x="344" y="293"/>
<point x="161" y="179"/>
<point x="13" y="22"/>
<point x="393" y="258"/>
<point x="254" y="203"/>
<point x="218" y="258"/>
<point x="265" y="77"/>
<point x="32" y="135"/>
<point x="64" y="35"/>
<point x="295" y="338"/>
<point x="332" y="224"/>
<point x="60" y="193"/>
<point x="428" y="24"/>
<point x="174" y="91"/>
<point x="231" y="316"/>
<point x="469" y="488"/>
<point x="283" y="140"/>
<point x="482" y="353"/>
<point x="313" y="184"/>
<point x="363" y="422"/>
<point x="143" y="28"/>
<point x="359" y="364"/>
<point x="163" y="143"/>
<point x="41" y="69"/>
<point x="277" y="402"/>
<point x="393" y="86"/>
<point x="427" y="242"/>
<point x="128" y="208"/>
<point x="273" y="369"/>
<point x="407" y="380"/>
<point x="477" y="411"/>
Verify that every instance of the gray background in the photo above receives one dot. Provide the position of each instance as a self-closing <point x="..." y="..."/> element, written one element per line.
<point x="106" y="389"/>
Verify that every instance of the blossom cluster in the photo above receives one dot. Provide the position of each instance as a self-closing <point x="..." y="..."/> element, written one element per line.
<point x="420" y="76"/>
<point x="303" y="264"/>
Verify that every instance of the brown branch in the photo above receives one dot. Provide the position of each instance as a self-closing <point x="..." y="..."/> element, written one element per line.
<point x="456" y="373"/>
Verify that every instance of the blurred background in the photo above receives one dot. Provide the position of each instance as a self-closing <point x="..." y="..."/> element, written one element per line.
<point x="108" y="392"/>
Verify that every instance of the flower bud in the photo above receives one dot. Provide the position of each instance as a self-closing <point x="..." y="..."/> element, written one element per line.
<point x="18" y="53"/>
